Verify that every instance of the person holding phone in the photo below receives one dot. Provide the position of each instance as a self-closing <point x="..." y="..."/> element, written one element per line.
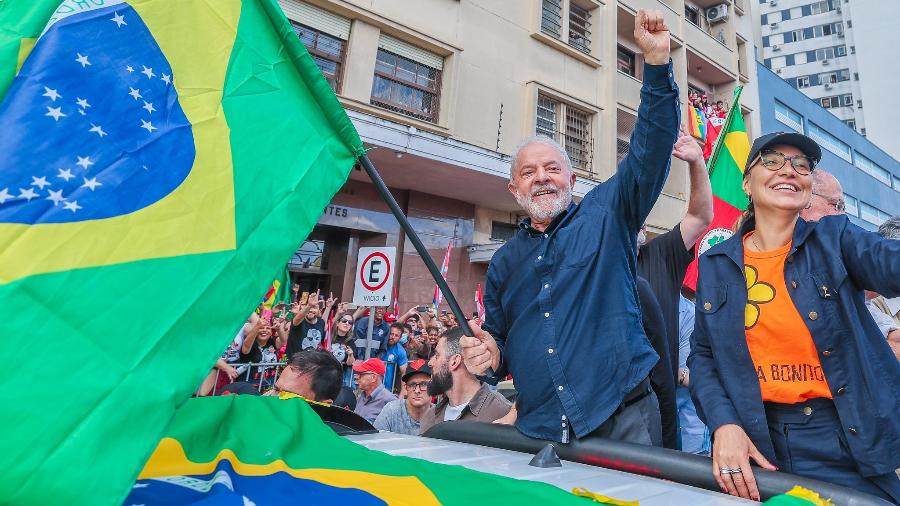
<point x="342" y="344"/>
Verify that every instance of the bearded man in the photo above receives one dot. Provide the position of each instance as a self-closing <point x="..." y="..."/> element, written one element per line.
<point x="562" y="311"/>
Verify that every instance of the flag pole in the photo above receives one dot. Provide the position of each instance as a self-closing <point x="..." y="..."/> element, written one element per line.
<point x="417" y="243"/>
<point x="735" y="104"/>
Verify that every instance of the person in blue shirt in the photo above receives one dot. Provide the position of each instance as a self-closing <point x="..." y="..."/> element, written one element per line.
<point x="394" y="356"/>
<point x="787" y="367"/>
<point x="380" y="329"/>
<point x="695" y="437"/>
<point x="562" y="311"/>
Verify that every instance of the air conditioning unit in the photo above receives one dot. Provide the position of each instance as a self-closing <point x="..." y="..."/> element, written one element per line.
<point x="825" y="62"/>
<point x="777" y="71"/>
<point x="776" y="47"/>
<point x="717" y="13"/>
<point x="827" y="86"/>
<point x="838" y="9"/>
<point x="773" y="3"/>
<point x="773" y="25"/>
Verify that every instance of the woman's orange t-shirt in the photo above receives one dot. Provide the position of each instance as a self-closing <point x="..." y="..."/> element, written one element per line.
<point x="786" y="360"/>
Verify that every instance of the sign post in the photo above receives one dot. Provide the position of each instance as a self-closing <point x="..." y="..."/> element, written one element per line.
<point x="374" y="283"/>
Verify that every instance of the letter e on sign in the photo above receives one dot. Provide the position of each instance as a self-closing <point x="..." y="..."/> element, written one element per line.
<point x="374" y="276"/>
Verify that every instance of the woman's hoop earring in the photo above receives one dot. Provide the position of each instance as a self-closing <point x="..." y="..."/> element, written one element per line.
<point x="808" y="204"/>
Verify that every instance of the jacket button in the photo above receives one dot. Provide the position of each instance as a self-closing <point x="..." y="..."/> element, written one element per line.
<point x="807" y="410"/>
<point x="813" y="315"/>
<point x="852" y="429"/>
<point x="827" y="352"/>
<point x="790" y="259"/>
<point x="840" y="391"/>
<point x="707" y="306"/>
<point x="793" y="284"/>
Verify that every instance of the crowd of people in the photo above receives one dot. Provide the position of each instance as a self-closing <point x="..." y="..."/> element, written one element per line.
<point x="794" y="325"/>
<point x="710" y="108"/>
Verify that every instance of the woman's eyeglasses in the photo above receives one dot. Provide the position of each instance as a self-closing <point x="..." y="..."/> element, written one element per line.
<point x="774" y="160"/>
<point x="343" y="320"/>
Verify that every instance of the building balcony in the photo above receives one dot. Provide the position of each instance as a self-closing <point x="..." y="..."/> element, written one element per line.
<point x="628" y="8"/>
<point x="709" y="58"/>
<point x="628" y="90"/>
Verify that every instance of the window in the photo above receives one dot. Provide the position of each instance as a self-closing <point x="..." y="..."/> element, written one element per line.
<point x="692" y="14"/>
<point x="873" y="169"/>
<point x="852" y="205"/>
<point x="775" y="17"/>
<point x="625" y="62"/>
<point x="852" y="50"/>
<point x="851" y="123"/>
<point x="580" y="28"/>
<point x="568" y="125"/>
<point x="327" y="51"/>
<point x="551" y="17"/>
<point x="842" y="50"/>
<point x="788" y="116"/>
<point x="871" y="214"/>
<point x="826" y="102"/>
<point x="897" y="183"/>
<point x="844" y="75"/>
<point x="848" y="100"/>
<point x="502" y="231"/>
<point x="800" y="58"/>
<point x="803" y="82"/>
<point x="795" y="36"/>
<point x="405" y="85"/>
<point x="829" y="142"/>
<point x="819" y="7"/>
<point x="856" y="76"/>
<point x="859" y="104"/>
<point x="830" y="77"/>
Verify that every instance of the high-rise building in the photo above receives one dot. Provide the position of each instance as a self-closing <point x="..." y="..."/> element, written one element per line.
<point x="443" y="91"/>
<point x="837" y="53"/>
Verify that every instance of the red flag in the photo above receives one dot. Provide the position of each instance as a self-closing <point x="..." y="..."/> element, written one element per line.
<point x="396" y="303"/>
<point x="713" y="126"/>
<point x="436" y="301"/>
<point x="479" y="302"/>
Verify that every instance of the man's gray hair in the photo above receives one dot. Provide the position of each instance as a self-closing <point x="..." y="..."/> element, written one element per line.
<point x="539" y="139"/>
<point x="890" y="229"/>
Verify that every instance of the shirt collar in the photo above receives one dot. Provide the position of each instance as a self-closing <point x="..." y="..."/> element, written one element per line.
<point x="893" y="305"/>
<point x="375" y="393"/>
<point x="526" y="223"/>
<point x="733" y="248"/>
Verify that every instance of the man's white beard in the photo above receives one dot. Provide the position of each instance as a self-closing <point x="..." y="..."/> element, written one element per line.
<point x="545" y="211"/>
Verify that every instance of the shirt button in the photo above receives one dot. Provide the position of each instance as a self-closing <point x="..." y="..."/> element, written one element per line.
<point x="546" y="315"/>
<point x="852" y="429"/>
<point x="840" y="391"/>
<point x="827" y="352"/>
<point x="546" y="236"/>
<point x="540" y="257"/>
<point x="707" y="306"/>
<point x="813" y="315"/>
<point x="547" y="285"/>
<point x="807" y="410"/>
<point x="560" y="388"/>
<point x="793" y="284"/>
<point x="550" y="351"/>
<point x="564" y="417"/>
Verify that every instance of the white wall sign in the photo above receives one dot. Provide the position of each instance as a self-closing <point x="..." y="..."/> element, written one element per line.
<point x="374" y="276"/>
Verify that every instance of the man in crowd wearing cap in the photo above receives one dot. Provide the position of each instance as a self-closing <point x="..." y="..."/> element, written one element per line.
<point x="464" y="396"/>
<point x="313" y="374"/>
<point x="560" y="296"/>
<point x="369" y="375"/>
<point x="402" y="416"/>
<point x="380" y="330"/>
<point x="395" y="355"/>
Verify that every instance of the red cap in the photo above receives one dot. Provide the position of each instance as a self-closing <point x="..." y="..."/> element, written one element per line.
<point x="390" y="317"/>
<point x="375" y="365"/>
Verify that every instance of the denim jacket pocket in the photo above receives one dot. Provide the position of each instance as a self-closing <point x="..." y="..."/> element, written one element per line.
<point x="711" y="298"/>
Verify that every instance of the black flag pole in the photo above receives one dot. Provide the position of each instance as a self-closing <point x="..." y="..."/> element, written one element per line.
<point x="420" y="248"/>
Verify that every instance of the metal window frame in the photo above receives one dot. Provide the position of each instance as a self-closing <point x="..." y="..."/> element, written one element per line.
<point x="399" y="81"/>
<point x="314" y="51"/>
<point x="632" y="65"/>
<point x="562" y="112"/>
<point x="548" y="15"/>
<point x="582" y="21"/>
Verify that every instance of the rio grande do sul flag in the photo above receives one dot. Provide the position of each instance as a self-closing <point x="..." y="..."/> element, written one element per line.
<point x="726" y="174"/>
<point x="161" y="161"/>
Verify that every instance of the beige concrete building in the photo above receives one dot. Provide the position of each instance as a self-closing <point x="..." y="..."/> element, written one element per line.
<point x="444" y="90"/>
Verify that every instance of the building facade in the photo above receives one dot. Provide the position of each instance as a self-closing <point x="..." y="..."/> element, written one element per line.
<point x="870" y="177"/>
<point x="443" y="91"/>
<point x="835" y="52"/>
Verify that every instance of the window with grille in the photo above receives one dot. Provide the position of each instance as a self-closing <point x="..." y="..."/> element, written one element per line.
<point x="502" y="231"/>
<point x="580" y="28"/>
<point x="406" y="86"/>
<point x="692" y="15"/>
<point x="625" y="61"/>
<point x="567" y="125"/>
<point x="551" y="17"/>
<point x="327" y="52"/>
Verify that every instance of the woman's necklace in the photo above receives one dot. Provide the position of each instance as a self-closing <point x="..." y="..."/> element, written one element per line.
<point x="756" y="242"/>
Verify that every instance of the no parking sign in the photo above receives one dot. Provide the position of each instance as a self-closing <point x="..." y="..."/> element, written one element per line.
<point x="374" y="276"/>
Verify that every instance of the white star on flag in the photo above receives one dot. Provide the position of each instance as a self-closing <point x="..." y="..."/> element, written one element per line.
<point x="56" y="197"/>
<point x="97" y="129"/>
<point x="148" y="126"/>
<point x="148" y="72"/>
<point x="148" y="106"/>
<point x="83" y="103"/>
<point x="65" y="174"/>
<point x="134" y="93"/>
<point x="91" y="183"/>
<point x="83" y="60"/>
<point x="5" y="195"/>
<point x="84" y="161"/>
<point x="119" y="20"/>
<point x="48" y="92"/>
<point x="72" y="206"/>
<point x="129" y="68"/>
<point x="81" y="112"/>
<point x="166" y="78"/>
<point x="55" y="112"/>
<point x="40" y="182"/>
<point x="27" y="193"/>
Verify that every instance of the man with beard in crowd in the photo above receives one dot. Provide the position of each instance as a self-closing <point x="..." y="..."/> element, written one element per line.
<point x="380" y="330"/>
<point x="560" y="295"/>
<point x="402" y="416"/>
<point x="308" y="329"/>
<point x="395" y="355"/>
<point x="464" y="396"/>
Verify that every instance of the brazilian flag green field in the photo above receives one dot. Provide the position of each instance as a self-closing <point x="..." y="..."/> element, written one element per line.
<point x="217" y="144"/>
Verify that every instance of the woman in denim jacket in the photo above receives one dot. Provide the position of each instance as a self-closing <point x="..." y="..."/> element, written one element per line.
<point x="787" y="366"/>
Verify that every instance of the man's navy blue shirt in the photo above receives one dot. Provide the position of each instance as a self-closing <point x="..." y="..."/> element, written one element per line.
<point x="562" y="303"/>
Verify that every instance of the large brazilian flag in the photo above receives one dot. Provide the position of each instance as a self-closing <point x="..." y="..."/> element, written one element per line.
<point x="160" y="160"/>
